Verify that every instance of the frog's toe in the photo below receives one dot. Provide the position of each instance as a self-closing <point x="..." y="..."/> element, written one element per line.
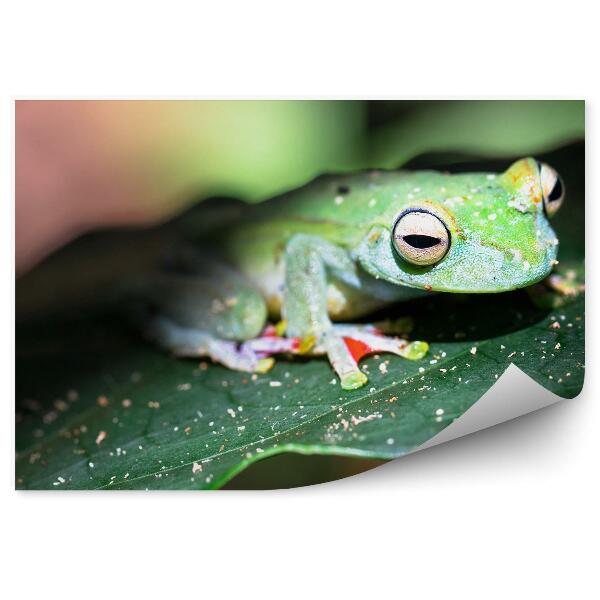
<point x="557" y="290"/>
<point x="353" y="381"/>
<point x="367" y="339"/>
<point x="271" y="341"/>
<point x="264" y="365"/>
<point x="343" y="360"/>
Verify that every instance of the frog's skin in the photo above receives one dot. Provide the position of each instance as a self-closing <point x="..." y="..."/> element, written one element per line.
<point x="326" y="253"/>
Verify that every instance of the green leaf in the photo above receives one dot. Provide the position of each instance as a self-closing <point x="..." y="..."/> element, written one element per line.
<point x="482" y="127"/>
<point x="170" y="423"/>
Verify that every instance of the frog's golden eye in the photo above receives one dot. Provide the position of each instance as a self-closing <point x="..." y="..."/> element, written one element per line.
<point x="553" y="189"/>
<point x="420" y="237"/>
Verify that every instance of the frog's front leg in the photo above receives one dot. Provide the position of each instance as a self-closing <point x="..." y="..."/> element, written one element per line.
<point x="309" y="260"/>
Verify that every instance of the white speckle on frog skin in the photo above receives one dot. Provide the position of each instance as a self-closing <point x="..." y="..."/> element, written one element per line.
<point x="338" y="200"/>
<point x="492" y="217"/>
<point x="372" y="202"/>
<point x="454" y="200"/>
<point x="520" y="203"/>
<point x="526" y="266"/>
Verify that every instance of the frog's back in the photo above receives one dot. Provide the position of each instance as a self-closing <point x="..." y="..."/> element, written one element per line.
<point x="353" y="199"/>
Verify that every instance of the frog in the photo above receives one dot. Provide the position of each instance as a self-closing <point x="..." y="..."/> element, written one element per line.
<point x="299" y="273"/>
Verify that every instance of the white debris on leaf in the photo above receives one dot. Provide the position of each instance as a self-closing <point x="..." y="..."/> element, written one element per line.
<point x="360" y="419"/>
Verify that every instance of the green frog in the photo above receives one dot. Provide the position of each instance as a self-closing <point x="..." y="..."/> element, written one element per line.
<point x="314" y="259"/>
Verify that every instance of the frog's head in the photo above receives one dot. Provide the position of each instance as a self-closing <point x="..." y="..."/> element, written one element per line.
<point x="484" y="233"/>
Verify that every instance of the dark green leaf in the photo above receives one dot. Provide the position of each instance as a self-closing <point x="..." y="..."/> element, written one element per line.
<point x="181" y="414"/>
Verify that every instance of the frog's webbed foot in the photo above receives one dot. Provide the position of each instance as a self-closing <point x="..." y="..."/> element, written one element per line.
<point x="557" y="289"/>
<point x="568" y="284"/>
<point x="345" y="346"/>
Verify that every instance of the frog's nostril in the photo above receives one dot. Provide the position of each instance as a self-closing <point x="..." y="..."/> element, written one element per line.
<point x="421" y="241"/>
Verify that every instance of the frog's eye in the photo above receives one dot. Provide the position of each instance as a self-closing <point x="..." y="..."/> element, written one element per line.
<point x="420" y="237"/>
<point x="553" y="190"/>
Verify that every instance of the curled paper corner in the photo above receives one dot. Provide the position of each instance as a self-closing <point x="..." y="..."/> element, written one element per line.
<point x="513" y="395"/>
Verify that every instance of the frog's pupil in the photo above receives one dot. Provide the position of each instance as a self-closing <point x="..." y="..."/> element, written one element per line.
<point x="556" y="192"/>
<point x="343" y="189"/>
<point x="421" y="241"/>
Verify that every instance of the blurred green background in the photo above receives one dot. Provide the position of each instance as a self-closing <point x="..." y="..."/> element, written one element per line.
<point x="255" y="149"/>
